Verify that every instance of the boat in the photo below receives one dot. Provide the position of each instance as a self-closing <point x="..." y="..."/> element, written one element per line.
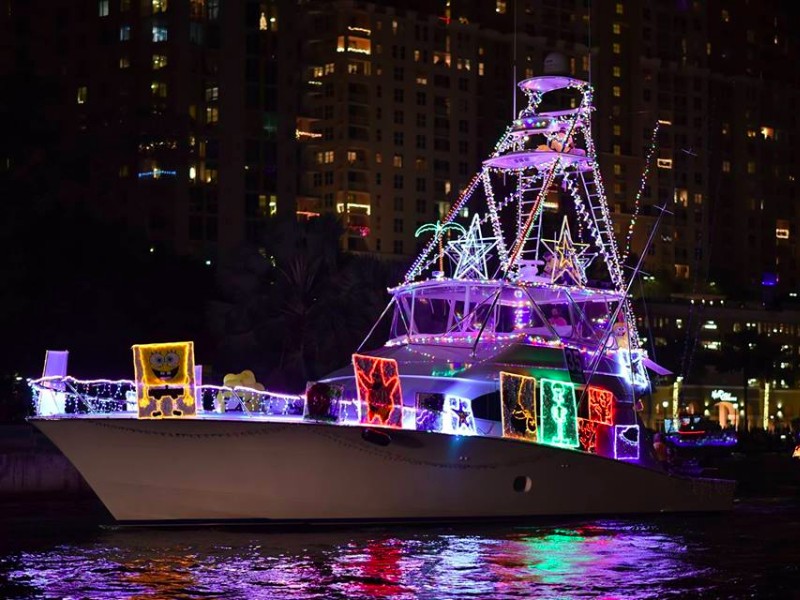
<point x="509" y="387"/>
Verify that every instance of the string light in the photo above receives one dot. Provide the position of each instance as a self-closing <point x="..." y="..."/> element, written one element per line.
<point x="587" y="434"/>
<point x="559" y="424"/>
<point x="601" y="405"/>
<point x="378" y="387"/>
<point x="626" y="442"/>
<point x="642" y="184"/>
<point x="164" y="375"/>
<point x="518" y="399"/>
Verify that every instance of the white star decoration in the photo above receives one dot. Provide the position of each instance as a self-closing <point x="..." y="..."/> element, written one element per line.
<point x="469" y="252"/>
<point x="567" y="262"/>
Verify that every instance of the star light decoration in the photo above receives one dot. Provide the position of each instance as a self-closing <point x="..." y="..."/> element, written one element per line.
<point x="469" y="252"/>
<point x="569" y="259"/>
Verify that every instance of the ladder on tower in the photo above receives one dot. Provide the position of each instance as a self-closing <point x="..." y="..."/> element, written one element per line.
<point x="528" y="190"/>
<point x="597" y="209"/>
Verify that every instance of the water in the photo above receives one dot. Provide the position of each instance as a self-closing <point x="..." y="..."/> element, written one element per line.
<point x="753" y="552"/>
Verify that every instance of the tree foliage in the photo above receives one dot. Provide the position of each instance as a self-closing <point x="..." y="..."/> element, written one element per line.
<point x="297" y="307"/>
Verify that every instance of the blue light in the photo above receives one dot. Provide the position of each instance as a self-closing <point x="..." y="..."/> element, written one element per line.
<point x="156" y="173"/>
<point x="769" y="279"/>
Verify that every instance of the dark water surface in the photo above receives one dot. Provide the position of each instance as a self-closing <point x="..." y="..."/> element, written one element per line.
<point x="753" y="552"/>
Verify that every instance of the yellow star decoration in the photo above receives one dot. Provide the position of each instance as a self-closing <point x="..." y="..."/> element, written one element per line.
<point x="568" y="261"/>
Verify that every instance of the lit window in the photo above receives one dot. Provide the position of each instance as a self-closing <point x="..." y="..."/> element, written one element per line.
<point x="212" y="114"/>
<point x="617" y="169"/>
<point x="664" y="163"/>
<point x="102" y="8"/>
<point x="682" y="271"/>
<point x="212" y="10"/>
<point x="620" y="9"/>
<point x="768" y="133"/>
<point x="782" y="229"/>
<point x="681" y="197"/>
<point x="124" y="33"/>
<point x="617" y="91"/>
<point x="617" y="130"/>
<point x="616" y="149"/>
<point x="212" y="93"/>
<point x="500" y="7"/>
<point x="480" y="69"/>
<point x="726" y="17"/>
<point x="159" y="61"/>
<point x="159" y="33"/>
<point x="615" y="28"/>
<point x="262" y="22"/>
<point x="83" y="94"/>
<point x="159" y="89"/>
<point x="698" y="198"/>
<point x="616" y="71"/>
<point x="616" y="48"/>
<point x="726" y="166"/>
<point x="397" y="161"/>
<point x="159" y="6"/>
<point x="124" y="62"/>
<point x="751" y="167"/>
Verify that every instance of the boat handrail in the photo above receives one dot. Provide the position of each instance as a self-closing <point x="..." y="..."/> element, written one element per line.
<point x="109" y="396"/>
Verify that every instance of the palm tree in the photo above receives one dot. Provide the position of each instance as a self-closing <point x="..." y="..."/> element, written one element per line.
<point x="298" y="308"/>
<point x="439" y="229"/>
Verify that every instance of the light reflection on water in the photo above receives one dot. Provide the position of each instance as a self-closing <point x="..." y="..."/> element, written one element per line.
<point x="719" y="556"/>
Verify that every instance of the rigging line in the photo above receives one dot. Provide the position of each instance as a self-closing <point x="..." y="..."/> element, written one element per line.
<point x="642" y="184"/>
<point x="612" y="321"/>
<point x="486" y="320"/>
<point x="371" y="331"/>
<point x="589" y="28"/>
<point x="647" y="322"/>
<point x="514" y="66"/>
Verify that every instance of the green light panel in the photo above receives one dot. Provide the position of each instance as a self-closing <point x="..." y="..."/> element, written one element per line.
<point x="558" y="425"/>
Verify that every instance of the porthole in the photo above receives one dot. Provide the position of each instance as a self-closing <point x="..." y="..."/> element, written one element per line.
<point x="522" y="484"/>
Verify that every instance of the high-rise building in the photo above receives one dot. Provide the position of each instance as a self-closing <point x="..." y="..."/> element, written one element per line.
<point x="195" y="119"/>
<point x="177" y="117"/>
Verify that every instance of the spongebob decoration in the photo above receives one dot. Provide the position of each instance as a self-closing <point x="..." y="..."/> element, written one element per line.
<point x="165" y="380"/>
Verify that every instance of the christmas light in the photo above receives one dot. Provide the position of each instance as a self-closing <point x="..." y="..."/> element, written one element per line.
<point x="626" y="442"/>
<point x="458" y="418"/>
<point x="518" y="400"/>
<point x="642" y="184"/>
<point x="559" y="423"/>
<point x="378" y="386"/>
<point x="601" y="405"/>
<point x="165" y="385"/>
<point x="429" y="411"/>
<point x="470" y="252"/>
<point x="587" y="434"/>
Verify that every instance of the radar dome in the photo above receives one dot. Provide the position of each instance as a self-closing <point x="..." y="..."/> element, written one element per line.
<point x="555" y="63"/>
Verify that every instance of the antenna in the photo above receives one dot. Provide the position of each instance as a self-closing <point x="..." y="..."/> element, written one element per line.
<point x="514" y="65"/>
<point x="589" y="9"/>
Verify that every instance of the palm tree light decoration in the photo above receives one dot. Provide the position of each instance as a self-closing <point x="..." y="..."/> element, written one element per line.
<point x="439" y="229"/>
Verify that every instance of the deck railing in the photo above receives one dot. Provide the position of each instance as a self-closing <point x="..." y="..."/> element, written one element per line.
<point x="54" y="396"/>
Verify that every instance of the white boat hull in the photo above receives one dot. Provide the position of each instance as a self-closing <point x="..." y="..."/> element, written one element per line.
<point x="204" y="470"/>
